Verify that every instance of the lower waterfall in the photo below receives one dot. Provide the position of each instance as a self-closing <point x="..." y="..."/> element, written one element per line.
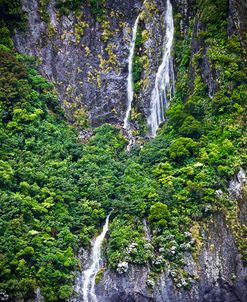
<point x="164" y="80"/>
<point x="88" y="276"/>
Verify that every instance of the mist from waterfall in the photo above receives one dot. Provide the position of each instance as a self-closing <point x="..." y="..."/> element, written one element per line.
<point x="88" y="276"/>
<point x="164" y="81"/>
<point x="130" y="84"/>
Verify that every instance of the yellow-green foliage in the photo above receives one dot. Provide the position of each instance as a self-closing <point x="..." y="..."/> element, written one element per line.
<point x="195" y="231"/>
<point x="150" y="8"/>
<point x="99" y="275"/>
<point x="99" y="80"/>
<point x="145" y="35"/>
<point x="79" y="29"/>
<point x="50" y="30"/>
<point x="106" y="25"/>
<point x="111" y="62"/>
<point x="43" y="10"/>
<point x="112" y="56"/>
<point x="90" y="77"/>
<point x="81" y="118"/>
<point x="88" y="51"/>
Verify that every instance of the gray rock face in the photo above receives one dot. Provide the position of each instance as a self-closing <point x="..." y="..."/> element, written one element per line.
<point x="237" y="22"/>
<point x="154" y="22"/>
<point x="85" y="59"/>
<point x="220" y="275"/>
<point x="237" y="184"/>
<point x="197" y="44"/>
<point x="222" y="271"/>
<point x="130" y="286"/>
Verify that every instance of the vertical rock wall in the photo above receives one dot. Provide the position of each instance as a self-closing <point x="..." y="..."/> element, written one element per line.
<point x="84" y="58"/>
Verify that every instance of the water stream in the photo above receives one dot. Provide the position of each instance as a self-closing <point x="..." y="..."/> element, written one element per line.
<point x="88" y="289"/>
<point x="164" y="80"/>
<point x="130" y="85"/>
<point x="146" y="230"/>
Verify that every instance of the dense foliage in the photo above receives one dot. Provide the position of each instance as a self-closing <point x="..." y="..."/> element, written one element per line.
<point x="137" y="60"/>
<point x="200" y="148"/>
<point x="97" y="7"/>
<point x="55" y="190"/>
<point x="11" y="14"/>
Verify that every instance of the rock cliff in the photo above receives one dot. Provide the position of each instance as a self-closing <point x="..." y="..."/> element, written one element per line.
<point x="84" y="58"/>
<point x="218" y="275"/>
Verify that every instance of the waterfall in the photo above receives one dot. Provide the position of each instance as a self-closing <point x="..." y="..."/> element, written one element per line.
<point x="38" y="296"/>
<point x="88" y="289"/>
<point x="164" y="81"/>
<point x="146" y="230"/>
<point x="130" y="85"/>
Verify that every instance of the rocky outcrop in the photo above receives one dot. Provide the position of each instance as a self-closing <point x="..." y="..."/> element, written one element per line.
<point x="153" y="22"/>
<point x="237" y="22"/>
<point x="84" y="58"/>
<point x="216" y="269"/>
<point x="220" y="274"/>
<point x="206" y="71"/>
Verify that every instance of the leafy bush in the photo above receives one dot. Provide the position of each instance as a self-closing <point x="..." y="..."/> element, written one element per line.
<point x="182" y="148"/>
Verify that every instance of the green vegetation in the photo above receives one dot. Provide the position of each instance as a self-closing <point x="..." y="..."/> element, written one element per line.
<point x="199" y="149"/>
<point x="11" y="14"/>
<point x="43" y="10"/>
<point x="55" y="192"/>
<point x="137" y="60"/>
<point x="65" y="6"/>
<point x="97" y="7"/>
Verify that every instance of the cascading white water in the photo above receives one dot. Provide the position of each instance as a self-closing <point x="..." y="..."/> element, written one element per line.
<point x="164" y="81"/>
<point x="146" y="230"/>
<point x="89" y="275"/>
<point x="130" y="85"/>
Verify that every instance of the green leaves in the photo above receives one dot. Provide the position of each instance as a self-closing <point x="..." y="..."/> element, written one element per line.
<point x="159" y="215"/>
<point x="190" y="127"/>
<point x="182" y="148"/>
<point x="52" y="189"/>
<point x="6" y="172"/>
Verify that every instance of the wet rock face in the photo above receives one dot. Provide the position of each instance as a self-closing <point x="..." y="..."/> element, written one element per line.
<point x="222" y="271"/>
<point x="219" y="271"/>
<point x="237" y="22"/>
<point x="153" y="21"/>
<point x="207" y="73"/>
<point x="237" y="184"/>
<point x="220" y="275"/>
<point x="85" y="59"/>
<point x="130" y="286"/>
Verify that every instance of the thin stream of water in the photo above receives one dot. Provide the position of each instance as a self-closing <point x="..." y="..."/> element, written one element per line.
<point x="130" y="85"/>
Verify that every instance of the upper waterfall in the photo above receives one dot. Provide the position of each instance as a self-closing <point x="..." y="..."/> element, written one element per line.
<point x="130" y="85"/>
<point x="164" y="81"/>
